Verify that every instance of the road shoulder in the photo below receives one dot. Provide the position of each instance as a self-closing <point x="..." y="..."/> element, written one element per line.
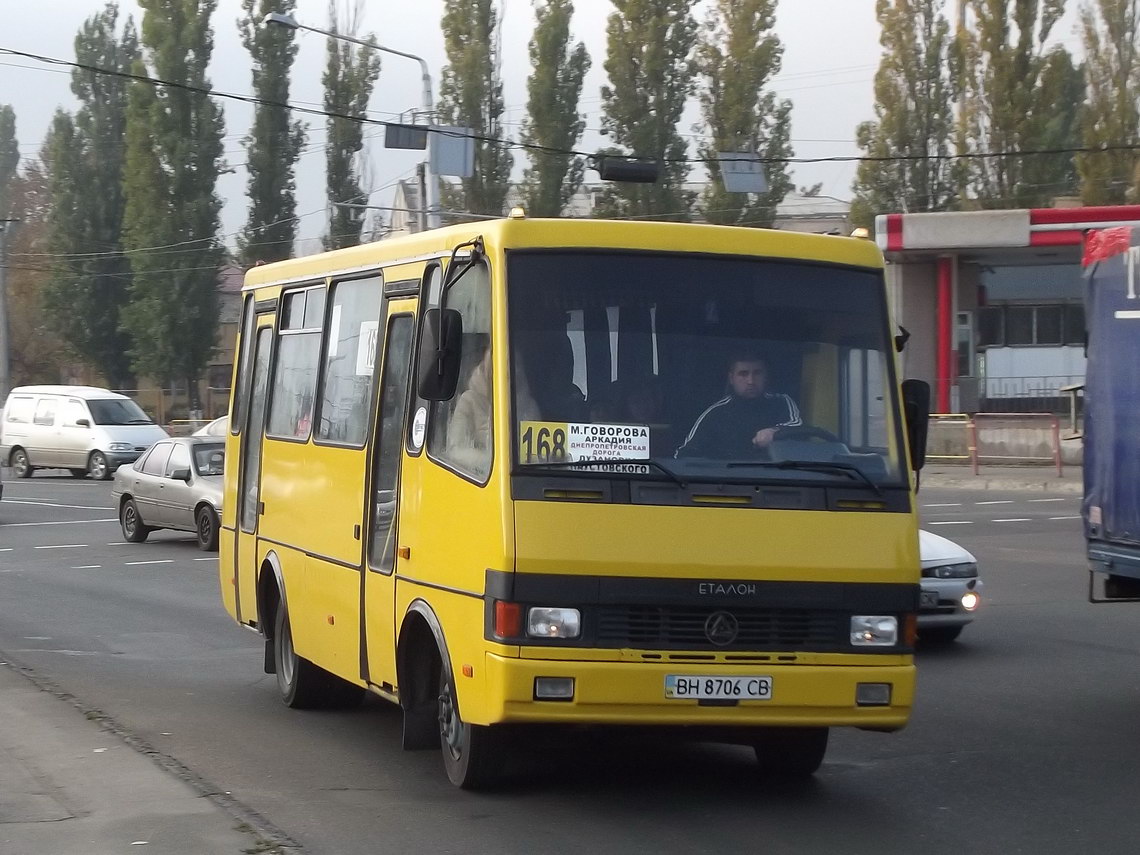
<point x="70" y="784"/>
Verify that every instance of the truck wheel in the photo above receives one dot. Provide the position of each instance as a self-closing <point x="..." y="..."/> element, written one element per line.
<point x="134" y="530"/>
<point x="20" y="464"/>
<point x="97" y="466"/>
<point x="472" y="755"/>
<point x="790" y="752"/>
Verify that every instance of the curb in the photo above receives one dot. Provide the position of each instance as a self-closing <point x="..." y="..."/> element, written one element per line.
<point x="271" y="838"/>
<point x="981" y="482"/>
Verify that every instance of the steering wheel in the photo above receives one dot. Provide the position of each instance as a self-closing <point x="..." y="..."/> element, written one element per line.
<point x="805" y="432"/>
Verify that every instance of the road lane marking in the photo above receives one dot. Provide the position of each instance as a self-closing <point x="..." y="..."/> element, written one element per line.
<point x="1015" y="519"/>
<point x="944" y="505"/>
<point x="952" y="522"/>
<point x="62" y="546"/>
<point x="205" y="559"/>
<point x="1046" y="500"/>
<point x="998" y="502"/>
<point x="57" y="505"/>
<point x="163" y="561"/>
<point x="1077" y="517"/>
<point x="7" y="549"/>
<point x="87" y="567"/>
<point x="58" y="522"/>
<point x="120" y="543"/>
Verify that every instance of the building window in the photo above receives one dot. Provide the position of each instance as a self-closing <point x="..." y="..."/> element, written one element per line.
<point x="1017" y="325"/>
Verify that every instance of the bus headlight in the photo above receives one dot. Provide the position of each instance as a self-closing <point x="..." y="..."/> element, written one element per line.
<point x="874" y="630"/>
<point x="543" y="622"/>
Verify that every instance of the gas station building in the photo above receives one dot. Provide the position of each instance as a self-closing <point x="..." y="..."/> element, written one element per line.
<point x="993" y="302"/>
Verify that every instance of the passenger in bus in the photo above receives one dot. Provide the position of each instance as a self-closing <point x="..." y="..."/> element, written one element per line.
<point x="742" y="424"/>
<point x="470" y="425"/>
<point x="551" y="368"/>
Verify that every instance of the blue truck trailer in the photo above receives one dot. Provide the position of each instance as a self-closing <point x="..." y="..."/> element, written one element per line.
<point x="1111" y="507"/>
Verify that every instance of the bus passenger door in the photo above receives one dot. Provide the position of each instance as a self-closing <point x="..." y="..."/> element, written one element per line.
<point x="377" y="622"/>
<point x="249" y="474"/>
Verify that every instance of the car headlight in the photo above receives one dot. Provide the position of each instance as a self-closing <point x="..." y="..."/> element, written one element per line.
<point x="874" y="630"/>
<point x="951" y="571"/>
<point x="120" y="446"/>
<point x="542" y="622"/>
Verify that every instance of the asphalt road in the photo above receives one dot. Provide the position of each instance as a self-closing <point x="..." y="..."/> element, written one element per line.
<point x="1025" y="738"/>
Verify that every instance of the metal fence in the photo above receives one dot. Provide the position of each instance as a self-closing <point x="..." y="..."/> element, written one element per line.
<point x="1027" y="395"/>
<point x="996" y="438"/>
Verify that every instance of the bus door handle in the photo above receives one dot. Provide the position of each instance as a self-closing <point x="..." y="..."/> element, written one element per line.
<point x="356" y="532"/>
<point x="260" y="508"/>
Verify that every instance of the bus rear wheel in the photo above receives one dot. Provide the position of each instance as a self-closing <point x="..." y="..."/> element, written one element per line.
<point x="790" y="753"/>
<point x="472" y="755"/>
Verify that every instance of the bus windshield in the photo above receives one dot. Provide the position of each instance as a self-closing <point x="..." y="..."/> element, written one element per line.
<point x="718" y="368"/>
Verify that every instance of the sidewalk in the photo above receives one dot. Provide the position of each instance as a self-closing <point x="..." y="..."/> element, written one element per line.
<point x="1043" y="478"/>
<point x="69" y="786"/>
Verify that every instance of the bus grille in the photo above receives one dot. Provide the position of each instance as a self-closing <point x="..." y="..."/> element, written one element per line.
<point x="679" y="627"/>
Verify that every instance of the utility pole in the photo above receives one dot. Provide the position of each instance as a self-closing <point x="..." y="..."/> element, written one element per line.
<point x="6" y="226"/>
<point x="430" y="201"/>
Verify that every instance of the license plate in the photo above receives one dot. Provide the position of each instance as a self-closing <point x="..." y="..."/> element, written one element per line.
<point x="706" y="688"/>
<point x="928" y="600"/>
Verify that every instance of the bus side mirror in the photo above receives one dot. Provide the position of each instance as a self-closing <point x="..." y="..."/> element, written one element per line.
<point x="441" y="344"/>
<point x="916" y="406"/>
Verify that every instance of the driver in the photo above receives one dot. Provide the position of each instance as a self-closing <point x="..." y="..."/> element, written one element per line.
<point x="744" y="423"/>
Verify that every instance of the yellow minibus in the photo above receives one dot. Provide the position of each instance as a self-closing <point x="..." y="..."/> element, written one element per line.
<point x="573" y="472"/>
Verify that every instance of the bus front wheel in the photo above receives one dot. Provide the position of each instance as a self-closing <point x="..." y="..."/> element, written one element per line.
<point x="790" y="752"/>
<point x="471" y="754"/>
<point x="299" y="680"/>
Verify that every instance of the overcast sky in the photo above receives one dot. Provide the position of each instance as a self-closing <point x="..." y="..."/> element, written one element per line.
<point x="831" y="53"/>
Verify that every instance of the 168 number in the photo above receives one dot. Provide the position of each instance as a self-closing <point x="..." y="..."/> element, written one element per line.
<point x="544" y="445"/>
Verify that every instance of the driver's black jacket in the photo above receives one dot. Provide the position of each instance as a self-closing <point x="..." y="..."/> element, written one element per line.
<point x="725" y="430"/>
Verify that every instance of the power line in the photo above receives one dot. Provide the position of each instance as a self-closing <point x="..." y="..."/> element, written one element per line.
<point x="562" y="152"/>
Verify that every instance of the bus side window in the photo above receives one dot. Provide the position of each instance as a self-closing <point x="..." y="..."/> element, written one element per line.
<point x="460" y="432"/>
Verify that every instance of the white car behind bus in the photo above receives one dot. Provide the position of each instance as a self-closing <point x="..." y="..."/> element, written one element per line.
<point x="87" y="430"/>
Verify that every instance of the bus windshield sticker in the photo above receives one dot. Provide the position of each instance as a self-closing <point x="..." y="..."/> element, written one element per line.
<point x="570" y="442"/>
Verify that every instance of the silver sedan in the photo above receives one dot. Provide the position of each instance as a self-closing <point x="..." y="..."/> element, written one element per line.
<point x="175" y="484"/>
<point x="951" y="589"/>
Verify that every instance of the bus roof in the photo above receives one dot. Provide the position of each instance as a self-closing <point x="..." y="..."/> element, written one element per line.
<point x="518" y="233"/>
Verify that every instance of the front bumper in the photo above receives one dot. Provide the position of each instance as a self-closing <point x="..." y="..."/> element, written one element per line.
<point x="949" y="611"/>
<point x="115" y="459"/>
<point x="634" y="694"/>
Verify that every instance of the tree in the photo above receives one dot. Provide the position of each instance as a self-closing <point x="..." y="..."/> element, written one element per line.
<point x="1111" y="33"/>
<point x="737" y="57"/>
<point x="37" y="354"/>
<point x="274" y="142"/>
<point x="553" y="120"/>
<point x="174" y="154"/>
<point x="1011" y="90"/>
<point x="471" y="96"/>
<point x="651" y="71"/>
<point x="9" y="155"/>
<point x="913" y="116"/>
<point x="91" y="278"/>
<point x="350" y="74"/>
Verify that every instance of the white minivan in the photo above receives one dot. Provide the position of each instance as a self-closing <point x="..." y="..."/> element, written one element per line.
<point x="87" y="430"/>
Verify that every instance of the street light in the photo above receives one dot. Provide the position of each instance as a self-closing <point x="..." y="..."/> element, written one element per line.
<point x="431" y="203"/>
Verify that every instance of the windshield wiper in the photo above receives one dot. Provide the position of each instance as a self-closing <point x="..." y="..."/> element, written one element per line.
<point x="650" y="461"/>
<point x="812" y="466"/>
